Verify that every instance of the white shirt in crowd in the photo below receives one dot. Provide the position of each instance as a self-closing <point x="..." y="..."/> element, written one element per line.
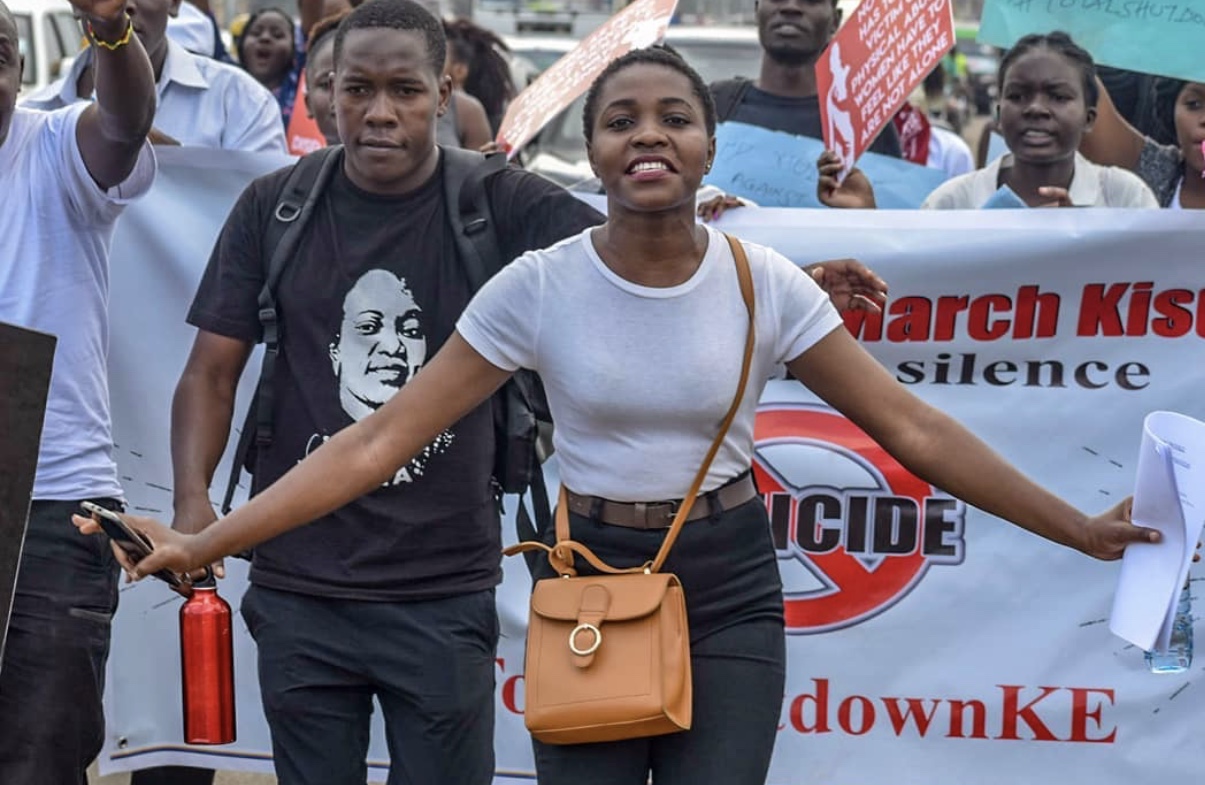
<point x="1091" y="186"/>
<point x="193" y="30"/>
<point x="202" y="103"/>
<point x="949" y="153"/>
<point x="639" y="378"/>
<point x="55" y="228"/>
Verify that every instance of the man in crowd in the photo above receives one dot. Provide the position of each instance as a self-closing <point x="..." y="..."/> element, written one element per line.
<point x="201" y="102"/>
<point x="64" y="178"/>
<point x="784" y="98"/>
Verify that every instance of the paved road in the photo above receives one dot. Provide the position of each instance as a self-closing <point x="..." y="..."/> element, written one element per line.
<point x="223" y="778"/>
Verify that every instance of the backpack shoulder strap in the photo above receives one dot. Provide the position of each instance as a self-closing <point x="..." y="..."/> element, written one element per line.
<point x="469" y="213"/>
<point x="302" y="188"/>
<point x="727" y="95"/>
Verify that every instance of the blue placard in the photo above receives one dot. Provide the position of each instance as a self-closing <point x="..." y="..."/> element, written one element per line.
<point x="1004" y="199"/>
<point x="1152" y="36"/>
<point x="779" y="170"/>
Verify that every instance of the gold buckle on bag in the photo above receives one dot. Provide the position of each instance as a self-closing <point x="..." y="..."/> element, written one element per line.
<point x="593" y="647"/>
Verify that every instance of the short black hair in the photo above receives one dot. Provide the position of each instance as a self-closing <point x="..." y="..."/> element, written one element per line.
<point x="405" y="15"/>
<point x="653" y="55"/>
<point x="1060" y="42"/>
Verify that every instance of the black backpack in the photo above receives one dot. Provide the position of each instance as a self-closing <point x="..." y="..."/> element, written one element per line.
<point x="522" y="422"/>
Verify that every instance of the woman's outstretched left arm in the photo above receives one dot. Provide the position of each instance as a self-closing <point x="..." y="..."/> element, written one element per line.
<point x="939" y="450"/>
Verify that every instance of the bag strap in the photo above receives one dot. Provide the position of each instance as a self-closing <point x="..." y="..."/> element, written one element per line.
<point x="561" y="555"/>
<point x="301" y="191"/>
<point x="468" y="206"/>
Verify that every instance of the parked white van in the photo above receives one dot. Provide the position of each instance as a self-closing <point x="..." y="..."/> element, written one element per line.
<point x="49" y="37"/>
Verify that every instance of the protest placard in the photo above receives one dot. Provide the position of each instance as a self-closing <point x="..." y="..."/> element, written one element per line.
<point x="25" y="361"/>
<point x="776" y="169"/>
<point x="1150" y="36"/>
<point x="873" y="63"/>
<point x="641" y="24"/>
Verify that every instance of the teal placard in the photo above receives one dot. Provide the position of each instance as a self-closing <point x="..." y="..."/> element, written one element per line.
<point x="1152" y="36"/>
<point x="779" y="170"/>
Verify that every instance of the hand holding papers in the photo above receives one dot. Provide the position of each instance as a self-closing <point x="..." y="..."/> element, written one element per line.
<point x="1169" y="496"/>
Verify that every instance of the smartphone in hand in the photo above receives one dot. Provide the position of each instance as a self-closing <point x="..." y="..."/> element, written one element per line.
<point x="128" y="539"/>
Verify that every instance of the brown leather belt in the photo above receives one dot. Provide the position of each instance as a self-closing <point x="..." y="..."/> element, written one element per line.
<point x="660" y="515"/>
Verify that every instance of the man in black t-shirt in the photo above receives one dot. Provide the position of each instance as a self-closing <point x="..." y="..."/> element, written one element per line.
<point x="391" y="596"/>
<point x="784" y="98"/>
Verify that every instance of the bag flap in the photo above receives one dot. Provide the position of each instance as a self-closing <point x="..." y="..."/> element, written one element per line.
<point x="631" y="596"/>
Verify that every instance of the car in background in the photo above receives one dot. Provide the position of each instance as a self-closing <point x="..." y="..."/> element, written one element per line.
<point x="49" y="39"/>
<point x="559" y="152"/>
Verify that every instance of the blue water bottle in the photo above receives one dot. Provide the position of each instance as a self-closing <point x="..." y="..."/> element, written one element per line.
<point x="1178" y="657"/>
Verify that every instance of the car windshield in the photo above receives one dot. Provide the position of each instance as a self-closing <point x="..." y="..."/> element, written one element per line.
<point x="25" y="45"/>
<point x="713" y="59"/>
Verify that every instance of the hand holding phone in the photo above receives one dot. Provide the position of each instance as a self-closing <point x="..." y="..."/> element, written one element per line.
<point x="128" y="539"/>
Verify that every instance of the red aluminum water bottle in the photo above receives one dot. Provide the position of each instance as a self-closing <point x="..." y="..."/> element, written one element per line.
<point x="207" y="666"/>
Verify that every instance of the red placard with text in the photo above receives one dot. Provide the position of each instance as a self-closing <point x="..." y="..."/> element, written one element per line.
<point x="641" y="24"/>
<point x="873" y="63"/>
<point x="302" y="134"/>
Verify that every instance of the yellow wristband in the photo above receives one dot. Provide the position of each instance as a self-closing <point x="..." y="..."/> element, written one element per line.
<point x="114" y="46"/>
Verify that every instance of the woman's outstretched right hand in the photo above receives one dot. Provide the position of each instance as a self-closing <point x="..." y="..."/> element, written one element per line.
<point x="172" y="550"/>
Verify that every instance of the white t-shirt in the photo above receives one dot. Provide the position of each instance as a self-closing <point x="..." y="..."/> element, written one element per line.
<point x="55" y="229"/>
<point x="1091" y="186"/>
<point x="949" y="153"/>
<point x="201" y="103"/>
<point x="639" y="378"/>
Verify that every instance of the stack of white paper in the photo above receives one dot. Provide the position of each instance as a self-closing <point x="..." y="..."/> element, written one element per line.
<point x="1169" y="495"/>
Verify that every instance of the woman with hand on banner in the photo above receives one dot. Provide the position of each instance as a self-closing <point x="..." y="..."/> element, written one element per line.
<point x="1048" y="103"/>
<point x="1176" y="173"/>
<point x="638" y="328"/>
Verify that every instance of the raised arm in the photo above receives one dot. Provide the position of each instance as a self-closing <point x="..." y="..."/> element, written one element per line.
<point x="1112" y="140"/>
<point x="112" y="130"/>
<point x="354" y="462"/>
<point x="942" y="452"/>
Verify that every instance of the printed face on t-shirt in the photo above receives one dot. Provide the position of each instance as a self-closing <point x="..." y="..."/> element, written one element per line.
<point x="381" y="343"/>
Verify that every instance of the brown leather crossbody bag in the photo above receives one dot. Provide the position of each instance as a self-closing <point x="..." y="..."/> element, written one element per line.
<point x="608" y="656"/>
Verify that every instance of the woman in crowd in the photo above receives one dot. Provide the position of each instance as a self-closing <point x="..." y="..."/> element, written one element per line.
<point x="1176" y="173"/>
<point x="637" y="328"/>
<point x="1048" y="99"/>
<point x="477" y="64"/>
<point x="269" y="51"/>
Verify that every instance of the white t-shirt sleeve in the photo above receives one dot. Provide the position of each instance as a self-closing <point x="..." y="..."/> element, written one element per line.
<point x="1126" y="189"/>
<point x="93" y="206"/>
<point x="801" y="312"/>
<point x="502" y="321"/>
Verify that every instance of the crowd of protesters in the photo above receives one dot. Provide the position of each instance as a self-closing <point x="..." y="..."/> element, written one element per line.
<point x="408" y="498"/>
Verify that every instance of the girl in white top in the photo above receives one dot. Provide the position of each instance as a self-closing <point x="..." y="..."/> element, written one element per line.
<point x="1048" y="96"/>
<point x="637" y="329"/>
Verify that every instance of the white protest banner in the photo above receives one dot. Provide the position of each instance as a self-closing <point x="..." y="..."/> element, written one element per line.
<point x="928" y="643"/>
<point x="873" y="63"/>
<point x="639" y="25"/>
<point x="1151" y="36"/>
